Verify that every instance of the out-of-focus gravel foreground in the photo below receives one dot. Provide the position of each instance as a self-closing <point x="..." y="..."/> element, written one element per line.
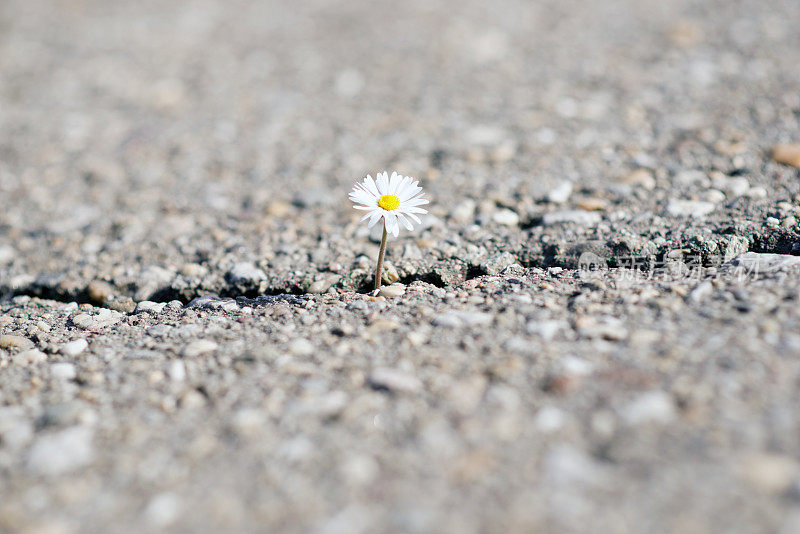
<point x="594" y="330"/>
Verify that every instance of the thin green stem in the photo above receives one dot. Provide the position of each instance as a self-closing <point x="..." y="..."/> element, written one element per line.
<point x="380" y="259"/>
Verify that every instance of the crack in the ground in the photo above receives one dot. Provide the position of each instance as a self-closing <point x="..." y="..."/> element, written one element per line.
<point x="622" y="252"/>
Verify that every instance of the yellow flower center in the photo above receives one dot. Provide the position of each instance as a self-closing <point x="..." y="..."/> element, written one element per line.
<point x="389" y="202"/>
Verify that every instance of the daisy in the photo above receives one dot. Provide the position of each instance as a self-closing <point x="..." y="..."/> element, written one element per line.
<point x="396" y="200"/>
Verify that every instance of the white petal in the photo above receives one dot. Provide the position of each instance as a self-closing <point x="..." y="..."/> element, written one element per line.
<point x="399" y="184"/>
<point x="374" y="217"/>
<point x="405" y="221"/>
<point x="410" y="192"/>
<point x="391" y="225"/>
<point x="387" y="217"/>
<point x="413" y="209"/>
<point x="369" y="185"/>
<point x="383" y="184"/>
<point x="416" y="202"/>
<point x="359" y="190"/>
<point x="362" y="197"/>
<point x="403" y="189"/>
<point x="413" y="217"/>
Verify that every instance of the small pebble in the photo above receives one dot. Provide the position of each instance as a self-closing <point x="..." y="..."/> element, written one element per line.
<point x="549" y="419"/>
<point x="147" y="306"/>
<point x="689" y="208"/>
<point x="63" y="371"/>
<point x="495" y="264"/>
<point x="757" y="192"/>
<point x="192" y="399"/>
<point x="6" y="254"/>
<point x="99" y="291"/>
<point x="788" y="154"/>
<point x="301" y="347"/>
<point x="320" y="286"/>
<point x="714" y="195"/>
<point x="177" y="371"/>
<point x="650" y="407"/>
<point x="74" y="348"/>
<point x="9" y="341"/>
<point x="245" y="273"/>
<point x="560" y="193"/>
<point x="506" y="217"/>
<point x="97" y="322"/>
<point x="592" y="204"/>
<point x="394" y="290"/>
<point x="163" y="510"/>
<point x="463" y="211"/>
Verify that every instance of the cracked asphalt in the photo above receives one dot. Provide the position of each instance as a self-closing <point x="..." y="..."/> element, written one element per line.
<point x="595" y="327"/>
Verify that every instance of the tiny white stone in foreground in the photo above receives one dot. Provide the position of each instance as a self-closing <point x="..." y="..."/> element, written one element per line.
<point x="74" y="348"/>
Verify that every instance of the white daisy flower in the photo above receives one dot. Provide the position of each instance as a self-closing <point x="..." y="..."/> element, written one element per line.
<point x="396" y="200"/>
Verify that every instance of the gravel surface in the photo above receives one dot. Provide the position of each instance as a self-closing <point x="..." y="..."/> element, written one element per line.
<point x="595" y="327"/>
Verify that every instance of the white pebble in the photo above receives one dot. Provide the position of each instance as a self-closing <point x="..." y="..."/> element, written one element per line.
<point x="301" y="347"/>
<point x="147" y="306"/>
<point x="163" y="509"/>
<point x="574" y="366"/>
<point x="650" y="407"/>
<point x="560" y="193"/>
<point x="248" y="421"/>
<point x="506" y="217"/>
<point x="689" y="208"/>
<point x="6" y="253"/>
<point x="757" y="192"/>
<point x="245" y="273"/>
<point x="549" y="419"/>
<point x="63" y="371"/>
<point x="714" y="195"/>
<point x="394" y="290"/>
<point x="177" y="371"/>
<point x="74" y="348"/>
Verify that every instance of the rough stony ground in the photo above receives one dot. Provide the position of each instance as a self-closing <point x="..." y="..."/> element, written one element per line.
<point x="594" y="330"/>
